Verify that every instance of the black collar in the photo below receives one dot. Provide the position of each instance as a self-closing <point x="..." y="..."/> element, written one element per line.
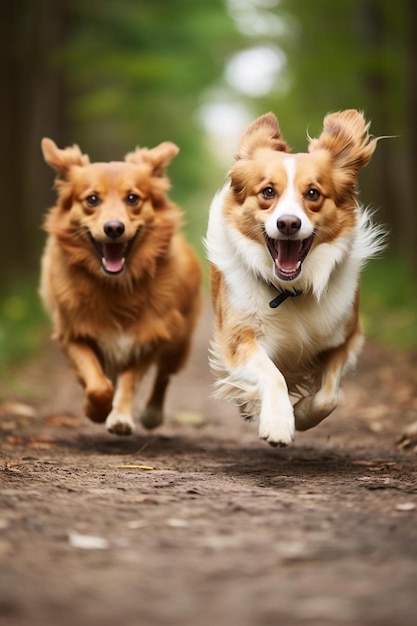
<point x="282" y="296"/>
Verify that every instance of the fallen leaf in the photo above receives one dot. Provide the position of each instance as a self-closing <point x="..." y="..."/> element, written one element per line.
<point x="13" y="466"/>
<point x="42" y="442"/>
<point x="405" y="506"/>
<point x="376" y="465"/>
<point x="15" y="441"/>
<point x="64" y="420"/>
<point x="45" y="438"/>
<point x="177" y="523"/>
<point x="190" y="418"/>
<point x="19" y="409"/>
<point x="409" y="437"/>
<point x="88" y="542"/>
<point x="364" y="462"/>
<point x="41" y="445"/>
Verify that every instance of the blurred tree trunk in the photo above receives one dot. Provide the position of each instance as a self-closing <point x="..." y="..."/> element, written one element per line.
<point x="411" y="113"/>
<point x="395" y="159"/>
<point x="32" y="104"/>
<point x="385" y="171"/>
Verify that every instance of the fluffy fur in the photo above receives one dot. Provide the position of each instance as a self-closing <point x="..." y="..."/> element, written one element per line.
<point x="289" y="223"/>
<point x="120" y="283"/>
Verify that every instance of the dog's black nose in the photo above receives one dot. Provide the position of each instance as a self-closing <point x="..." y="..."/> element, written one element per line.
<point x="114" y="229"/>
<point x="288" y="224"/>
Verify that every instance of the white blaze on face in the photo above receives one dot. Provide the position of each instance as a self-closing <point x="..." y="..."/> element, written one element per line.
<point x="290" y="244"/>
<point x="289" y="204"/>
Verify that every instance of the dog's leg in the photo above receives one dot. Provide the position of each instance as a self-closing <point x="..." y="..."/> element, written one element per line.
<point x="120" y="420"/>
<point x="311" y="410"/>
<point x="153" y="414"/>
<point x="256" y="381"/>
<point x="276" y="418"/>
<point x="98" y="388"/>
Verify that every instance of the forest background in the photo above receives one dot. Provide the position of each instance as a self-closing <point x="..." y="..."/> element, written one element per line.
<point x="113" y="74"/>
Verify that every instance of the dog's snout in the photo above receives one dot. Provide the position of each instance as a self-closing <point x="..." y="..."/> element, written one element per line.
<point x="114" y="229"/>
<point x="288" y="224"/>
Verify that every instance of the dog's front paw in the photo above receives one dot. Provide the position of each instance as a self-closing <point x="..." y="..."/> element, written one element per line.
<point x="98" y="402"/>
<point x="277" y="429"/>
<point x="278" y="436"/>
<point x="120" y="424"/>
<point x="152" y="417"/>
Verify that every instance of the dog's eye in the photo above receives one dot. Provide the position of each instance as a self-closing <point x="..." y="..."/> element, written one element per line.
<point x="268" y="193"/>
<point x="132" y="199"/>
<point x="313" y="194"/>
<point x="92" y="200"/>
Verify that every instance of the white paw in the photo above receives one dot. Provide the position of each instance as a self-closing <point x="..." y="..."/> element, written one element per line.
<point x="120" y="423"/>
<point x="276" y="421"/>
<point x="277" y="430"/>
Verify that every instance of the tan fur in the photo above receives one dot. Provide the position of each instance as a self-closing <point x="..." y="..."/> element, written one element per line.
<point x="303" y="347"/>
<point x="114" y="327"/>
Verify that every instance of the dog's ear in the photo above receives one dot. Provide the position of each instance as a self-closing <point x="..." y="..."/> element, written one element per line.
<point x="345" y="136"/>
<point x="157" y="157"/>
<point x="264" y="132"/>
<point x="162" y="155"/>
<point x="62" y="160"/>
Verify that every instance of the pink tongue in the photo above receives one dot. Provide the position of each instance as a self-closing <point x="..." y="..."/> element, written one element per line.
<point x="113" y="256"/>
<point x="288" y="254"/>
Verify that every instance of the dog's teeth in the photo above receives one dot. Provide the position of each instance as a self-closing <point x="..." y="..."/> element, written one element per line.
<point x="286" y="270"/>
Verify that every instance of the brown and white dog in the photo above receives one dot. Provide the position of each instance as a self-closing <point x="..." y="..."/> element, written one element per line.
<point x="287" y="240"/>
<point x="120" y="283"/>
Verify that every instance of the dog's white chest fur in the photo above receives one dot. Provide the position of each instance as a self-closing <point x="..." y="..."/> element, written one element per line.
<point x="301" y="326"/>
<point x="119" y="348"/>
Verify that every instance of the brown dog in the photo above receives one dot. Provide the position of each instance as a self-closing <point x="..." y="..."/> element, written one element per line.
<point x="119" y="281"/>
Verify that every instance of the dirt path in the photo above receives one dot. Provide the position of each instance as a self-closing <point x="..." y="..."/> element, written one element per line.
<point x="221" y="529"/>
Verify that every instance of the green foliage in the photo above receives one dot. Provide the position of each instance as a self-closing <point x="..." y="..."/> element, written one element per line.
<point x="23" y="325"/>
<point x="389" y="303"/>
<point x="345" y="54"/>
<point x="138" y="69"/>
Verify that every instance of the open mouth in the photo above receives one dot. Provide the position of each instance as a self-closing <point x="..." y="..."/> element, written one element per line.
<point x="288" y="255"/>
<point x="113" y="255"/>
